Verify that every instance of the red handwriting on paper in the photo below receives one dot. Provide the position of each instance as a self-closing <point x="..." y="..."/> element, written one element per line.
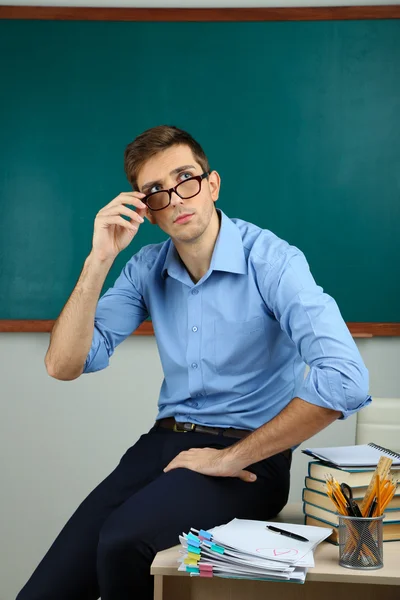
<point x="290" y="552"/>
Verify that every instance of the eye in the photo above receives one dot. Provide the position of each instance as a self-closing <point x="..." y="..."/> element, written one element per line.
<point x="182" y="175"/>
<point x="154" y="189"/>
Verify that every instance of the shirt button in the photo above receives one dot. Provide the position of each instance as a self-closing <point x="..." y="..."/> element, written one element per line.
<point x="195" y="292"/>
<point x="194" y="365"/>
<point x="194" y="328"/>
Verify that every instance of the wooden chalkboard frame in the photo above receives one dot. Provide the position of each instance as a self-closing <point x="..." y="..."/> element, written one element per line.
<point x="81" y="13"/>
<point x="75" y="13"/>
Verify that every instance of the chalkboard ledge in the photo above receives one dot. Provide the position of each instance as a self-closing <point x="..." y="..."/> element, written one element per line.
<point x="358" y="330"/>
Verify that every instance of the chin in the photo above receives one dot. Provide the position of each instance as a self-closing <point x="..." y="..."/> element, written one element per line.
<point x="189" y="236"/>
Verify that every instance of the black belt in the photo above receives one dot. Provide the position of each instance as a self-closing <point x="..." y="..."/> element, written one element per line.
<point x="170" y="423"/>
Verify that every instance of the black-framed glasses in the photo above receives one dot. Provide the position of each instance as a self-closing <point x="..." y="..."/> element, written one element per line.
<point x="188" y="188"/>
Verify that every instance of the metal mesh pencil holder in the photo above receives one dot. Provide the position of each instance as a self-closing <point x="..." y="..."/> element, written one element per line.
<point x="361" y="542"/>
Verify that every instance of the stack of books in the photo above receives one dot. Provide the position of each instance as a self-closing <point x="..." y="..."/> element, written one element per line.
<point x="318" y="507"/>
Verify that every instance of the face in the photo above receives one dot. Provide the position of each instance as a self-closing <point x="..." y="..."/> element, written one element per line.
<point x="185" y="221"/>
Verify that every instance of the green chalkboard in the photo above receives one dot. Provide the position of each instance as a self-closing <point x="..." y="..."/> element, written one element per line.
<point x="301" y="119"/>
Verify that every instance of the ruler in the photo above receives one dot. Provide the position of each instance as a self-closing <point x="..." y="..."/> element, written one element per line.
<point x="382" y="470"/>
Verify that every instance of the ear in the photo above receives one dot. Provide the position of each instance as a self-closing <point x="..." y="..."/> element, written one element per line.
<point x="214" y="181"/>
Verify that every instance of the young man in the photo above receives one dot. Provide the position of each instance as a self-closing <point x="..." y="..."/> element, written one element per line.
<point x="236" y="314"/>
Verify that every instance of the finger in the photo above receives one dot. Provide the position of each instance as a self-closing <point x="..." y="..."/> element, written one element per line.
<point x="171" y="467"/>
<point x="116" y="220"/>
<point x="131" y="195"/>
<point x="247" y="476"/>
<point x="141" y="211"/>
<point x="176" y="463"/>
<point x="121" y="209"/>
<point x="135" y="201"/>
<point x="132" y="198"/>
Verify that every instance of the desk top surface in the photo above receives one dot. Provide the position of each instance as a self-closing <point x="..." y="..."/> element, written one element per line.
<point x="326" y="566"/>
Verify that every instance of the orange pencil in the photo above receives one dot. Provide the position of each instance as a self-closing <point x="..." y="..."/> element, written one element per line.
<point x="388" y="497"/>
<point x="378" y="497"/>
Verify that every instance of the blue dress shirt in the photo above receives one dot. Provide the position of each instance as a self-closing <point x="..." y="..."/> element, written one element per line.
<point x="234" y="346"/>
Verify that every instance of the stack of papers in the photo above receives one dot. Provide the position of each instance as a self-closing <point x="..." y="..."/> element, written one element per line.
<point x="245" y="549"/>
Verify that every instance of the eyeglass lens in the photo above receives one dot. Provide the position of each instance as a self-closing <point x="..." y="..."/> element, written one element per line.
<point x="186" y="189"/>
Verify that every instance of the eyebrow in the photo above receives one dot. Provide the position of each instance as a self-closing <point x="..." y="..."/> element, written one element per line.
<point x="150" y="184"/>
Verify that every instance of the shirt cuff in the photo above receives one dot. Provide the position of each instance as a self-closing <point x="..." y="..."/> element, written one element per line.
<point x="323" y="387"/>
<point x="98" y="357"/>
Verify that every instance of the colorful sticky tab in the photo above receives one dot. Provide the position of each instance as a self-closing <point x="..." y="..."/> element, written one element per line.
<point x="205" y="534"/>
<point x="193" y="549"/>
<point x="206" y="574"/>
<point x="193" y="556"/>
<point x="216" y="548"/>
<point x="205" y="567"/>
<point x="192" y="569"/>
<point x="190" y="561"/>
<point x="193" y="539"/>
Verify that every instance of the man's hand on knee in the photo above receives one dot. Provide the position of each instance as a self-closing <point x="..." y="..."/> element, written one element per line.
<point x="209" y="461"/>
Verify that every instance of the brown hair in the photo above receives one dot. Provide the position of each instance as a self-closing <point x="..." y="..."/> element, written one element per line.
<point x="155" y="140"/>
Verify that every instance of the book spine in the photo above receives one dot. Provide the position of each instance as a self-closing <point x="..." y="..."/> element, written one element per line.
<point x="387" y="512"/>
<point x="334" y="510"/>
<point x="333" y="525"/>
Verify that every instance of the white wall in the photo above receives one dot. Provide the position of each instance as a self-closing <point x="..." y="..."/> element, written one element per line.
<point x="59" y="439"/>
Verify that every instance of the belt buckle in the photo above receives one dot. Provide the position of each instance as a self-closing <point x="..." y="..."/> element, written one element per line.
<point x="184" y="429"/>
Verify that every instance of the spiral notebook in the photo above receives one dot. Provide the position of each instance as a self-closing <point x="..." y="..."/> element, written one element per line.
<point x="364" y="455"/>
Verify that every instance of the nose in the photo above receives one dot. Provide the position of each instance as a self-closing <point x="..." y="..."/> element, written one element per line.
<point x="175" y="199"/>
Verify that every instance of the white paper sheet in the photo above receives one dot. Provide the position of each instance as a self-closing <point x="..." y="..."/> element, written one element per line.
<point x="253" y="537"/>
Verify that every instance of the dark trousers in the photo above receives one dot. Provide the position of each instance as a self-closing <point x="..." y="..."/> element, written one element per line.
<point x="109" y="543"/>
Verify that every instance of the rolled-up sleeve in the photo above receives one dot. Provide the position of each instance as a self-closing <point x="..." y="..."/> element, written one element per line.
<point x="338" y="378"/>
<point x="119" y="312"/>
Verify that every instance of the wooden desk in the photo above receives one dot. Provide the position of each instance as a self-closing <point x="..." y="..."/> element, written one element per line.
<point x="326" y="581"/>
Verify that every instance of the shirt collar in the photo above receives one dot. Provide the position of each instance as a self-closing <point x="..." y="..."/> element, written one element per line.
<point x="172" y="264"/>
<point x="228" y="252"/>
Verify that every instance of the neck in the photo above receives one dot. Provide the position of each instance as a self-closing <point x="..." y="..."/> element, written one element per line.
<point x="196" y="255"/>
